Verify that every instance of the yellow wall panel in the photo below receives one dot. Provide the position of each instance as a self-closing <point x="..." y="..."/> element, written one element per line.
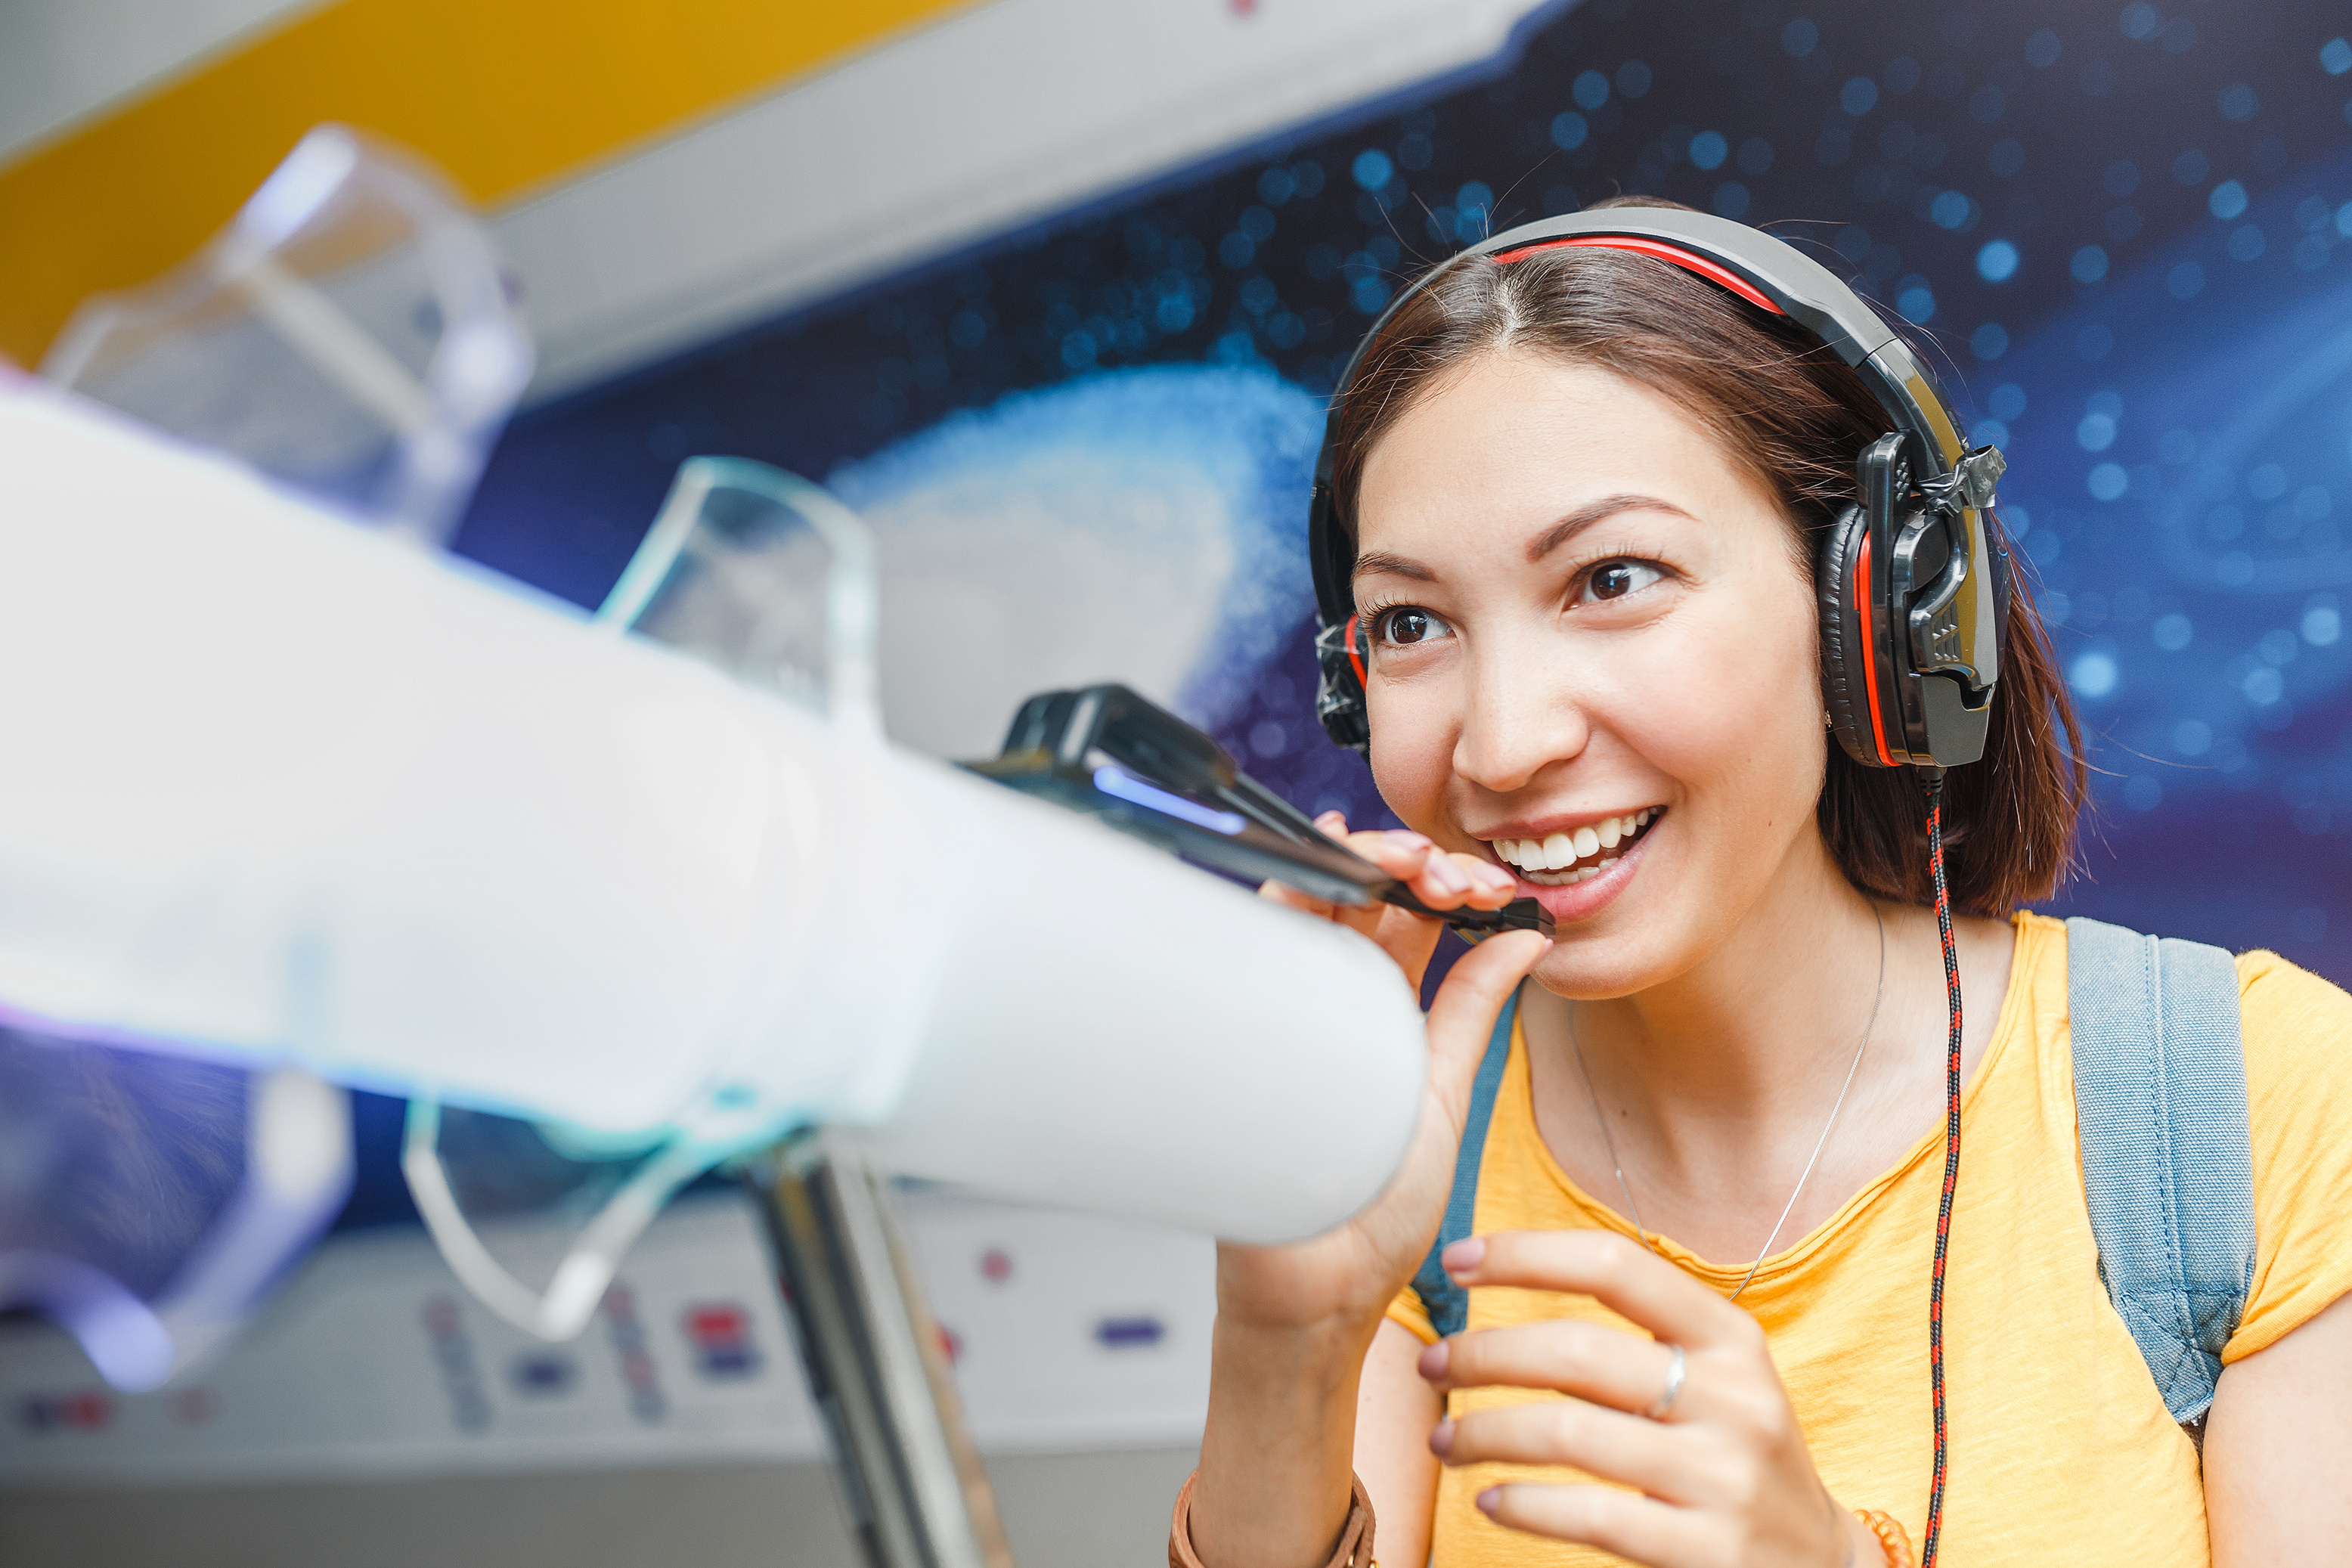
<point x="504" y="96"/>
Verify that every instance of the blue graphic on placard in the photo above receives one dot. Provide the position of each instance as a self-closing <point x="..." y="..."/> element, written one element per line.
<point x="1138" y="1332"/>
<point x="543" y="1375"/>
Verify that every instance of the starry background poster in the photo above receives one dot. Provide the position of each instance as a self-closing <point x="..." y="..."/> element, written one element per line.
<point x="2127" y="232"/>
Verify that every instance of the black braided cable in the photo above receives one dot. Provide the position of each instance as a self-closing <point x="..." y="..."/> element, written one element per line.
<point x="1935" y="781"/>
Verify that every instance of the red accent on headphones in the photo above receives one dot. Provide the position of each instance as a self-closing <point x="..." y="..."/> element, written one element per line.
<point x="1354" y="657"/>
<point x="1707" y="269"/>
<point x="1869" y="648"/>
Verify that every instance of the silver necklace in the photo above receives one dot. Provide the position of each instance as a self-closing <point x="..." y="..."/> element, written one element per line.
<point x="1818" y="1144"/>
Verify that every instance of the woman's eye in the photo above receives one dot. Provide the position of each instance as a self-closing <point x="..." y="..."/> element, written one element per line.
<point x="1616" y="579"/>
<point x="1406" y="626"/>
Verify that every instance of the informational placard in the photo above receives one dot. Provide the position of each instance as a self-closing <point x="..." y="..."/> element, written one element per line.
<point x="1066" y="1333"/>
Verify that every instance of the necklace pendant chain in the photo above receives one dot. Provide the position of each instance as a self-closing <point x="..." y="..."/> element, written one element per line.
<point x="1618" y="1167"/>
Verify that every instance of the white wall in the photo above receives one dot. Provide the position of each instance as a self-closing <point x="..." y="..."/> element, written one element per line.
<point x="66" y="61"/>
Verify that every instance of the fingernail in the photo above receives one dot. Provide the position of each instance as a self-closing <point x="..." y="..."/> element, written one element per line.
<point x="1332" y="819"/>
<point x="1447" y="875"/>
<point x="1440" y="1437"/>
<point x="1495" y="876"/>
<point x="1464" y="1256"/>
<point x="1408" y="837"/>
<point x="1433" y="1360"/>
<point x="1490" y="1500"/>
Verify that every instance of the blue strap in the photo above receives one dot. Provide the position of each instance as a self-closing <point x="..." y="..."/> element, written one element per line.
<point x="1448" y="1304"/>
<point x="2167" y="1159"/>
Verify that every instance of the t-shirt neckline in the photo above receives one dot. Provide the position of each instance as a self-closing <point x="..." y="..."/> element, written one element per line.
<point x="1517" y="1073"/>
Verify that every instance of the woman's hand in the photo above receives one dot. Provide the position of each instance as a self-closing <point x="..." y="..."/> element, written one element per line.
<point x="1349" y="1276"/>
<point x="1440" y="879"/>
<point x="1721" y="1474"/>
<point x="1294" y="1323"/>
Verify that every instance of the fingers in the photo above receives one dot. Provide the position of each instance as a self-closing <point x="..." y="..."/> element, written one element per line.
<point x="1440" y="879"/>
<point x="1600" y="1365"/>
<point x="1491" y="886"/>
<point x="1481" y="980"/>
<point x="1609" y="1444"/>
<point x="1629" y="1279"/>
<point x="1636" y="1528"/>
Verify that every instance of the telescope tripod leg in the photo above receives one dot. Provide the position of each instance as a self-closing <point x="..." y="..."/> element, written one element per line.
<point x="910" y="1477"/>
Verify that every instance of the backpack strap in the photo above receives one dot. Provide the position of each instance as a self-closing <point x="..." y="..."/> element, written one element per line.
<point x="2167" y="1159"/>
<point x="1448" y="1304"/>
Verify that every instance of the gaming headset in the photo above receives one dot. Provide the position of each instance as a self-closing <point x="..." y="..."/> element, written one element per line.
<point x="1913" y="584"/>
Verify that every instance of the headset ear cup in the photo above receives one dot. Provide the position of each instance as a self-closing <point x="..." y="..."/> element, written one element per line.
<point x="1845" y="691"/>
<point x="1339" y="690"/>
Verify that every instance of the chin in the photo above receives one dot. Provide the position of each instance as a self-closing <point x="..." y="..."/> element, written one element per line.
<point x="1591" y="967"/>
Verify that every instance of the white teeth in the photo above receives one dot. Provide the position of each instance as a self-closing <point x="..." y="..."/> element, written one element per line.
<point x="1547" y="861"/>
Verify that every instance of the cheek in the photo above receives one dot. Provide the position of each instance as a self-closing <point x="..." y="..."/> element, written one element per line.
<point x="1734" y="695"/>
<point x="1412" y="753"/>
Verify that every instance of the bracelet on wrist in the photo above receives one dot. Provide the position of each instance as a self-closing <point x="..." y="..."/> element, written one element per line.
<point x="1893" y="1539"/>
<point x="1354" y="1549"/>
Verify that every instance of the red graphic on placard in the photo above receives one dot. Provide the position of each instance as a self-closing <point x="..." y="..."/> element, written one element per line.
<point x="996" y="1265"/>
<point x="194" y="1406"/>
<point x="951" y="1344"/>
<point x="720" y="1332"/>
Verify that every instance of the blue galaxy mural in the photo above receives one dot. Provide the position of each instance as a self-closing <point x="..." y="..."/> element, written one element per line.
<point x="1140" y="523"/>
<point x="2125" y="227"/>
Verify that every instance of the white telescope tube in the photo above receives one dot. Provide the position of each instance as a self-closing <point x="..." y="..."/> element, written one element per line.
<point x="279" y="789"/>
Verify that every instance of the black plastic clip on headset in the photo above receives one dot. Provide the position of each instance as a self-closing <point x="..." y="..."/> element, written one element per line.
<point x="1116" y="755"/>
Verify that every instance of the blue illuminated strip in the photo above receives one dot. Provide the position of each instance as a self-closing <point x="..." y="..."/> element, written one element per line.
<point x="1126" y="787"/>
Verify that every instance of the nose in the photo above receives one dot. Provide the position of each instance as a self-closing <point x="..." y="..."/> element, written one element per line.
<point x="1522" y="717"/>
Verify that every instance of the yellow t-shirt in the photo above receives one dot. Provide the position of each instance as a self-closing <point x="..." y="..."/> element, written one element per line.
<point x="2060" y="1447"/>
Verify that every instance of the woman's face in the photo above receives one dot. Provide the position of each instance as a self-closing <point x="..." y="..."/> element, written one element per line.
<point x="1593" y="660"/>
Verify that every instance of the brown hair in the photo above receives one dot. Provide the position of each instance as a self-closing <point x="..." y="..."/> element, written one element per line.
<point x="1796" y="418"/>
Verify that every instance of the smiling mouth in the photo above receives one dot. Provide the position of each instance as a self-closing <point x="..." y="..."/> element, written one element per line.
<point x="1564" y="859"/>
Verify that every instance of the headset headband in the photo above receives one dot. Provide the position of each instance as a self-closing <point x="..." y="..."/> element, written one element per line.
<point x="1753" y="263"/>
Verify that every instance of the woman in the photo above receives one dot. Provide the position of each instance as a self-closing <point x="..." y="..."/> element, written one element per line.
<point x="1584" y="491"/>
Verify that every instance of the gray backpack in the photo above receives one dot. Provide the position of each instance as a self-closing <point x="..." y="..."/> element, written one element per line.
<point x="2167" y="1159"/>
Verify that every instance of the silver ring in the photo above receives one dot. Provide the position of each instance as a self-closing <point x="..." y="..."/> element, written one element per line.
<point x="1673" y="1389"/>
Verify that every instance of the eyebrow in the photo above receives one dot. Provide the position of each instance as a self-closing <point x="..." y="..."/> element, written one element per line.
<point x="1585" y="516"/>
<point x="1384" y="562"/>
